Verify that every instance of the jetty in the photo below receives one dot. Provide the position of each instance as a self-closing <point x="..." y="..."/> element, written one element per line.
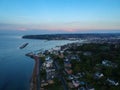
<point x="24" y="45"/>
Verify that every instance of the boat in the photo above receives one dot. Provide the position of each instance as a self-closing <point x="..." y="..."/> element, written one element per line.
<point x="24" y="45"/>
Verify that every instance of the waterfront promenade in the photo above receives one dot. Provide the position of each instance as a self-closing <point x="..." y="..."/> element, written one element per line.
<point x="35" y="80"/>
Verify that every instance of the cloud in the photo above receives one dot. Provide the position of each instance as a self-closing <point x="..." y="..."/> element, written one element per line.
<point x="75" y="26"/>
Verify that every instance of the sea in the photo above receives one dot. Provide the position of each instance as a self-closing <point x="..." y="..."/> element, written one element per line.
<point x="15" y="68"/>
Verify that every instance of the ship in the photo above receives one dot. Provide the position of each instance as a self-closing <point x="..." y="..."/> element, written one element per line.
<point x="24" y="45"/>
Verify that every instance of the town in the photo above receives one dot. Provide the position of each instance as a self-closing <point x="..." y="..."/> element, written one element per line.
<point x="77" y="66"/>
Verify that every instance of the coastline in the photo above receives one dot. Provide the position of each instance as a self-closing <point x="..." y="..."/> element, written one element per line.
<point x="34" y="85"/>
<point x="63" y="48"/>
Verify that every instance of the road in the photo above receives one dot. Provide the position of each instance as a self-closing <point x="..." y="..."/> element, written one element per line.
<point x="35" y="81"/>
<point x="60" y="75"/>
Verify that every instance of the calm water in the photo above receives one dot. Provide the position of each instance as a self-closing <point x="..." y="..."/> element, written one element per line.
<point x="15" y="67"/>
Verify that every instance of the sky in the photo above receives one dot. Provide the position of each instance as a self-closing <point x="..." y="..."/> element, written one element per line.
<point x="60" y="15"/>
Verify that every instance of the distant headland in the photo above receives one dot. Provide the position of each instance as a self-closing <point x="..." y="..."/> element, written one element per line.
<point x="72" y="36"/>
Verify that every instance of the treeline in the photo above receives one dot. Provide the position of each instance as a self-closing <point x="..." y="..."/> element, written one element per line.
<point x="67" y="36"/>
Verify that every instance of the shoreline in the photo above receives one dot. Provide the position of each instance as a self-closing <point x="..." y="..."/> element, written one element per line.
<point x="58" y="48"/>
<point x="36" y="69"/>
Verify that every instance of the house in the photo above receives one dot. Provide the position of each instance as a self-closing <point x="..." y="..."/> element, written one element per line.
<point x="76" y="76"/>
<point x="47" y="58"/>
<point x="75" y="83"/>
<point x="68" y="52"/>
<point x="89" y="87"/>
<point x="74" y="57"/>
<point x="55" y="52"/>
<point x="66" y="60"/>
<point x="57" y="48"/>
<point x="68" y="70"/>
<point x="108" y="63"/>
<point x="50" y="73"/>
<point x="112" y="82"/>
<point x="48" y="62"/>
<point x="70" y="85"/>
<point x="86" y="87"/>
<point x="46" y="52"/>
<point x="70" y="77"/>
<point x="50" y="81"/>
<point x="41" y="55"/>
<point x="87" y="53"/>
<point x="61" y="51"/>
<point x="98" y="75"/>
<point x="82" y="83"/>
<point x="82" y="88"/>
<point x="80" y="74"/>
<point x="67" y="64"/>
<point x="61" y="55"/>
<point x="44" y="83"/>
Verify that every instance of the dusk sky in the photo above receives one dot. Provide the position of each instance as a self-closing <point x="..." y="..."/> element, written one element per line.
<point x="64" y="15"/>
